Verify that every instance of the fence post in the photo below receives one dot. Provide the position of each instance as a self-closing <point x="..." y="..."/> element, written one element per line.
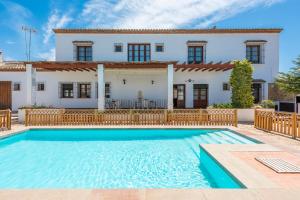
<point x="270" y="123"/>
<point x="26" y="117"/>
<point x="294" y="125"/>
<point x="61" y="117"/>
<point x="166" y="116"/>
<point x="130" y="116"/>
<point x="8" y="119"/>
<point x="255" y="115"/>
<point x="235" y="118"/>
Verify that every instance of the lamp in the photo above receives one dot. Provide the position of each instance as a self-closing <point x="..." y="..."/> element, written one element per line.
<point x="189" y="80"/>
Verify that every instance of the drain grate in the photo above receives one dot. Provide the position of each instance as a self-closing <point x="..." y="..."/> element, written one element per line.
<point x="279" y="165"/>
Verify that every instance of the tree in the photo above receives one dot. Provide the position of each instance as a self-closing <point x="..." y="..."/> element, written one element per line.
<point x="241" y="83"/>
<point x="290" y="81"/>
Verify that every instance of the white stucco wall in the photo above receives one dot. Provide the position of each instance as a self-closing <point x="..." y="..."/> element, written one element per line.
<point x="219" y="47"/>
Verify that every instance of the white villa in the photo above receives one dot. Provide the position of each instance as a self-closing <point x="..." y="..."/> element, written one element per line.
<point x="137" y="68"/>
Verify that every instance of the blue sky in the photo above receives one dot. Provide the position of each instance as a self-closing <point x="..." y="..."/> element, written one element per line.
<point x="44" y="15"/>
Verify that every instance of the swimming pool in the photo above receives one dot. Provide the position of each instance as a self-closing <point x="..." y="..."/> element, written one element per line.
<point x="114" y="158"/>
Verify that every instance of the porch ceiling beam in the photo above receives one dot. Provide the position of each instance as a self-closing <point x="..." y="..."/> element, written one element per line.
<point x="184" y="69"/>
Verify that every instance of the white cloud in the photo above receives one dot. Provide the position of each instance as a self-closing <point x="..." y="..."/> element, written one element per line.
<point x="48" y="56"/>
<point x="9" y="42"/>
<point x="55" y="20"/>
<point x="164" y="13"/>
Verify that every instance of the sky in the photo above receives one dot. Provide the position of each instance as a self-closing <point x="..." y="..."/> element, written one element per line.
<point x="44" y="15"/>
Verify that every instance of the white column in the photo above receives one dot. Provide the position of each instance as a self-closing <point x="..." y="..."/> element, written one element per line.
<point x="170" y="86"/>
<point x="101" y="87"/>
<point x="30" y="85"/>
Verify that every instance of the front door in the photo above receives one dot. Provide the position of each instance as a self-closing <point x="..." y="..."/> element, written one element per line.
<point x="5" y="94"/>
<point x="200" y="95"/>
<point x="179" y="96"/>
<point x="256" y="89"/>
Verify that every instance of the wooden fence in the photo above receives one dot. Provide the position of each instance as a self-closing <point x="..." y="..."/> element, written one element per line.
<point x="278" y="122"/>
<point x="5" y="119"/>
<point x="52" y="117"/>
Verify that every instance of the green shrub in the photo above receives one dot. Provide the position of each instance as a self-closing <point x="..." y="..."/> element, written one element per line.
<point x="36" y="107"/>
<point x="241" y="84"/>
<point x="267" y="104"/>
<point x="221" y="105"/>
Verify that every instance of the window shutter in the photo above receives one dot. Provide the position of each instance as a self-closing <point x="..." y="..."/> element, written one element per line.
<point x="204" y="53"/>
<point x="75" y="90"/>
<point x="60" y="90"/>
<point x="74" y="52"/>
<point x="262" y="54"/>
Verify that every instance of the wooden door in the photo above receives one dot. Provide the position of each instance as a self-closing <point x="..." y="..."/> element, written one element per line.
<point x="256" y="90"/>
<point x="179" y="96"/>
<point x="200" y="95"/>
<point x="5" y="94"/>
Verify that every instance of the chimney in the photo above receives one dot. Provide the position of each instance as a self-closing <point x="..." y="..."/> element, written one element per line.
<point x="1" y="56"/>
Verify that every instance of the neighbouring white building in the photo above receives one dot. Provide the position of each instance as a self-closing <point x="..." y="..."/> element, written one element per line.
<point x="137" y="68"/>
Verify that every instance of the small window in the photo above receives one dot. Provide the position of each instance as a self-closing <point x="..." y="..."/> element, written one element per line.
<point x="226" y="87"/>
<point x="84" y="90"/>
<point x="40" y="86"/>
<point x="118" y="48"/>
<point x="195" y="54"/>
<point x="84" y="53"/>
<point x="159" y="48"/>
<point x="17" y="86"/>
<point x="139" y="53"/>
<point x="67" y="90"/>
<point x="253" y="54"/>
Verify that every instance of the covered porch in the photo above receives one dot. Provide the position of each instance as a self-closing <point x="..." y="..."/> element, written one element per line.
<point x="104" y="85"/>
<point x="121" y="85"/>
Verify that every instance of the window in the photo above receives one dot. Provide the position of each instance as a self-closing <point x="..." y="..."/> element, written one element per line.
<point x="138" y="52"/>
<point x="118" y="48"/>
<point x="17" y="86"/>
<point x="226" y="86"/>
<point x="40" y="86"/>
<point x="67" y="90"/>
<point x="84" y="53"/>
<point x="159" y="47"/>
<point x="195" y="54"/>
<point x="253" y="54"/>
<point x="84" y="90"/>
<point x="107" y="90"/>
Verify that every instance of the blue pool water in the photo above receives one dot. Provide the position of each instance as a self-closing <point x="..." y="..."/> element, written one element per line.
<point x="114" y="158"/>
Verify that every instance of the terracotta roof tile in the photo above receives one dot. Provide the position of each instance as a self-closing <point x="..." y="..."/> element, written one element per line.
<point x="12" y="66"/>
<point x="169" y="31"/>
